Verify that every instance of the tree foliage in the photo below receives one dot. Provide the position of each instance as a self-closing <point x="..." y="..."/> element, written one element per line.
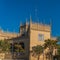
<point x="51" y="44"/>
<point x="4" y="46"/>
<point x="58" y="48"/>
<point x="37" y="50"/>
<point x="19" y="48"/>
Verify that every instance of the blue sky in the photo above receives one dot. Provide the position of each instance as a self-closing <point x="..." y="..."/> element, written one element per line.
<point x="12" y="12"/>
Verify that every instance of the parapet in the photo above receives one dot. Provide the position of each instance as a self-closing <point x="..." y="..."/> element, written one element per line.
<point x="40" y="26"/>
<point x="35" y="26"/>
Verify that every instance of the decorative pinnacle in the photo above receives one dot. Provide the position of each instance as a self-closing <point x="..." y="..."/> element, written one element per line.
<point x="50" y="22"/>
<point x="20" y="23"/>
<point x="30" y="18"/>
<point x="26" y="20"/>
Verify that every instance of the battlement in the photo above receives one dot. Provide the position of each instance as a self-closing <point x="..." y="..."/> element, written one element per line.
<point x="35" y="26"/>
<point x="40" y="26"/>
<point x="7" y="35"/>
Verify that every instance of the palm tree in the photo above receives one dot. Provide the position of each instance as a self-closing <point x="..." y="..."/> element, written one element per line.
<point x="37" y="50"/>
<point x="51" y="44"/>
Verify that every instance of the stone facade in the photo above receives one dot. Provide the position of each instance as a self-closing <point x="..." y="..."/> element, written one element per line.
<point x="31" y="34"/>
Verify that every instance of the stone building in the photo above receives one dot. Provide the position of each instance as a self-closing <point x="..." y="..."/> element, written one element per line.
<point x="30" y="34"/>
